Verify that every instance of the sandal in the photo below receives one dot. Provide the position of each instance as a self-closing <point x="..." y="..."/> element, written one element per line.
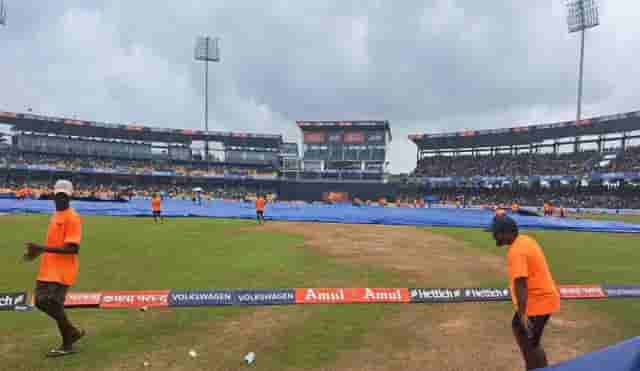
<point x="60" y="352"/>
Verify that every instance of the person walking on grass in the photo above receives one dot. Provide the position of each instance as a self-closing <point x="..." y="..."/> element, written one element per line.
<point x="156" y="208"/>
<point x="533" y="290"/>
<point x="260" y="204"/>
<point x="58" y="266"/>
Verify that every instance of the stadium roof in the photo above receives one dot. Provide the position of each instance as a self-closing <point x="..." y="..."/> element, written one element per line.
<point x="524" y="135"/>
<point x="133" y="131"/>
<point x="355" y="125"/>
<point x="362" y="124"/>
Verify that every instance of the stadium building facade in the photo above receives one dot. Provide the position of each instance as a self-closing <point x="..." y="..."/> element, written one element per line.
<point x="44" y="148"/>
<point x="343" y="150"/>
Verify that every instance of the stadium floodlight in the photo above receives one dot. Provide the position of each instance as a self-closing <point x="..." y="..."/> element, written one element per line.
<point x="581" y="15"/>
<point x="3" y="13"/>
<point x="207" y="50"/>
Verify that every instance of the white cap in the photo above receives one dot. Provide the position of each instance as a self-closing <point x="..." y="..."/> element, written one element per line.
<point x="63" y="186"/>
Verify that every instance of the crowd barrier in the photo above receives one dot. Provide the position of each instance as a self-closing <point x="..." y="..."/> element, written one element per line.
<point x="471" y="218"/>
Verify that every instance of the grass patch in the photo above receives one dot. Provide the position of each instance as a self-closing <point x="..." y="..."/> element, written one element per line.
<point x="136" y="254"/>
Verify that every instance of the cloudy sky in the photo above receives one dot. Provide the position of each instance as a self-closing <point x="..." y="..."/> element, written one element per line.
<point x="426" y="66"/>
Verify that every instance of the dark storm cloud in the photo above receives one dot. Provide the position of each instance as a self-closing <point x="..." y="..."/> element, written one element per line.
<point x="425" y="66"/>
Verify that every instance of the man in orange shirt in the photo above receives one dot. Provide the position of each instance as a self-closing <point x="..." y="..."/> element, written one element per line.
<point x="260" y="203"/>
<point x="58" y="266"/>
<point x="533" y="290"/>
<point x="156" y="208"/>
<point x="548" y="209"/>
<point x="515" y="207"/>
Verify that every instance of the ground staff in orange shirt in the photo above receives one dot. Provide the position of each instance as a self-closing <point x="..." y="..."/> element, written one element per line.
<point x="58" y="266"/>
<point x="533" y="291"/>
<point x="156" y="208"/>
<point x="260" y="204"/>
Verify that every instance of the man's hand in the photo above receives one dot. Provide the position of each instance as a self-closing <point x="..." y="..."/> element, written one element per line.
<point x="32" y="251"/>
<point x="526" y="325"/>
<point x="522" y="294"/>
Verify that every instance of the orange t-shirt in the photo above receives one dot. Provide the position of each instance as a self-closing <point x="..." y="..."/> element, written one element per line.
<point x="65" y="227"/>
<point x="155" y="203"/>
<point x="515" y="208"/>
<point x="526" y="259"/>
<point x="260" y="202"/>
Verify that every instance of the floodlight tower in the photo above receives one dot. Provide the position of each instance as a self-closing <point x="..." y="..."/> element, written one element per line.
<point x="207" y="50"/>
<point x="581" y="15"/>
<point x="3" y="13"/>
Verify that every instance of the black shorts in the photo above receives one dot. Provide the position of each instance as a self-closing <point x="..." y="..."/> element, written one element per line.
<point x="260" y="213"/>
<point x="157" y="213"/>
<point x="537" y="324"/>
<point x="51" y="292"/>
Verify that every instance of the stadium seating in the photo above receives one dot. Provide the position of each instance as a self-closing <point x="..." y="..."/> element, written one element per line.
<point x="591" y="197"/>
<point x="526" y="164"/>
<point x="139" y="167"/>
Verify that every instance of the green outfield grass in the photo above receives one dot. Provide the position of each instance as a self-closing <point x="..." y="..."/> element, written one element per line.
<point x="136" y="254"/>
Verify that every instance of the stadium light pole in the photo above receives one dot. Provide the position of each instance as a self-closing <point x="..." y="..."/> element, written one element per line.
<point x="3" y="13"/>
<point x="581" y="15"/>
<point x="207" y="50"/>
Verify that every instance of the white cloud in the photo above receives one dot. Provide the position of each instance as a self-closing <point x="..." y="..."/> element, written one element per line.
<point x="430" y="66"/>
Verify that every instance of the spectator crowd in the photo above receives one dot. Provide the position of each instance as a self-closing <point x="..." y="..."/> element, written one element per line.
<point x="137" y="167"/>
<point x="528" y="164"/>
<point x="568" y="198"/>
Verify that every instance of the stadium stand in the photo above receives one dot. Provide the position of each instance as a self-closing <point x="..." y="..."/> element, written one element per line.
<point x="111" y="161"/>
<point x="343" y="150"/>
<point x="526" y="164"/>
<point x="576" y="198"/>
<point x="531" y="165"/>
<point x="105" y="159"/>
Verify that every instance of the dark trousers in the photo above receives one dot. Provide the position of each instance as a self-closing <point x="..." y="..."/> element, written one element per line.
<point x="49" y="298"/>
<point x="529" y="342"/>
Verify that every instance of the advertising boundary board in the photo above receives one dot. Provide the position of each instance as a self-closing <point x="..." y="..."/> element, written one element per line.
<point x="582" y="292"/>
<point x="622" y="291"/>
<point x="264" y="297"/>
<point x="13" y="300"/>
<point x="134" y="299"/>
<point x="435" y="295"/>
<point x="82" y="299"/>
<point x="19" y="301"/>
<point x="197" y="298"/>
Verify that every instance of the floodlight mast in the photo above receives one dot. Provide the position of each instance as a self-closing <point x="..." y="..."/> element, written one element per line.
<point x="207" y="50"/>
<point x="3" y="13"/>
<point x="581" y="15"/>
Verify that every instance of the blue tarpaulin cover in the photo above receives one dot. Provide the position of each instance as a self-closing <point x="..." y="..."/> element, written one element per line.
<point x="473" y="218"/>
<point x="620" y="357"/>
